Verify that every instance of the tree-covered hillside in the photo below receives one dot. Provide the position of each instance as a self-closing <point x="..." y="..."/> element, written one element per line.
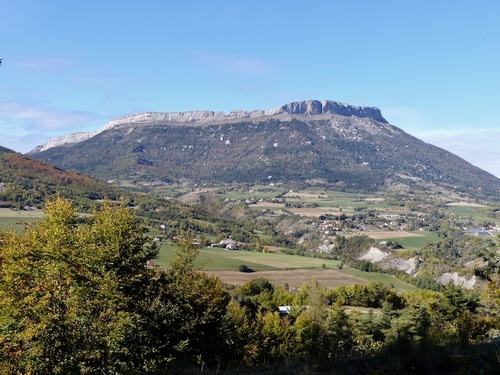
<point x="347" y="152"/>
<point x="77" y="298"/>
<point x="26" y="181"/>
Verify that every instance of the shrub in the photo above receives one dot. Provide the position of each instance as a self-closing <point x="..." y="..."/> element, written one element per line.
<point x="245" y="268"/>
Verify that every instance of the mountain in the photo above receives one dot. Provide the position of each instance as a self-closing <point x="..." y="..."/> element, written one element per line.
<point x="337" y="144"/>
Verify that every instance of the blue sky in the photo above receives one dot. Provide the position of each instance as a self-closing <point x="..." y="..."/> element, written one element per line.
<point x="432" y="67"/>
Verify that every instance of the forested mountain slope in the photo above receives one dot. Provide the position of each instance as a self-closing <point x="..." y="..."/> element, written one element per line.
<point x="352" y="150"/>
<point x="26" y="181"/>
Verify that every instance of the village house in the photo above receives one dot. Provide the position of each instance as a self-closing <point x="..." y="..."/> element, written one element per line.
<point x="229" y="244"/>
<point x="478" y="232"/>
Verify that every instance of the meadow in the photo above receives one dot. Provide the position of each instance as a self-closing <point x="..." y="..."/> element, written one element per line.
<point x="292" y="270"/>
<point x="473" y="213"/>
<point x="414" y="240"/>
<point x="16" y="219"/>
<point x="384" y="278"/>
<point x="218" y="259"/>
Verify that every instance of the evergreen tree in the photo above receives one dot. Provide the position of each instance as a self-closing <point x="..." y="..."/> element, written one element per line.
<point x="338" y="339"/>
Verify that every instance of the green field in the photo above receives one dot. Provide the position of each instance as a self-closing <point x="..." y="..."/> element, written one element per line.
<point x="229" y="260"/>
<point x="475" y="214"/>
<point x="13" y="219"/>
<point x="386" y="279"/>
<point x="217" y="259"/>
<point x="413" y="243"/>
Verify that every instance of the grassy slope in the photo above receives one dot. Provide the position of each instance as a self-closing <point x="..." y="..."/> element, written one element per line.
<point x="227" y="260"/>
<point x="217" y="259"/>
<point x="413" y="243"/>
<point x="15" y="219"/>
<point x="386" y="279"/>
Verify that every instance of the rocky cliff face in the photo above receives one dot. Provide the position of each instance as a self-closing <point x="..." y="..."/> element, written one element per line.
<point x="64" y="140"/>
<point x="303" y="108"/>
<point x="315" y="107"/>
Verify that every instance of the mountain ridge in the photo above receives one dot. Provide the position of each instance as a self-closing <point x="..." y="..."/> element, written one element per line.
<point x="304" y="108"/>
<point x="302" y="141"/>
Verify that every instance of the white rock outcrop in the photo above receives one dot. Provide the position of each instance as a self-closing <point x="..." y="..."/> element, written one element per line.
<point x="407" y="265"/>
<point x="374" y="255"/>
<point x="302" y="108"/>
<point x="65" y="140"/>
<point x="326" y="248"/>
<point x="446" y="277"/>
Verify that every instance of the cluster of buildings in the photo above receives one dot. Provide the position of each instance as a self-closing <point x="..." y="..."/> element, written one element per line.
<point x="482" y="231"/>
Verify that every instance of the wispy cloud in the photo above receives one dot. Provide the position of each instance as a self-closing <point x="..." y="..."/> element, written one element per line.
<point x="479" y="147"/>
<point x="45" y="63"/>
<point x="26" y="125"/>
<point x="47" y="119"/>
<point x="234" y="64"/>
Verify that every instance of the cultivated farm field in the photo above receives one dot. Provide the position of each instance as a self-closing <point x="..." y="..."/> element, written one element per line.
<point x="279" y="269"/>
<point x="414" y="240"/>
<point x="294" y="278"/>
<point x="217" y="259"/>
